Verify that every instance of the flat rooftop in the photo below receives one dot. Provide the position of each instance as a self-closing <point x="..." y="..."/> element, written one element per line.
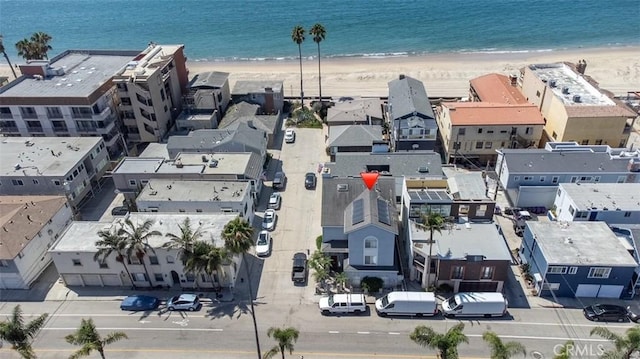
<point x="43" y="156"/>
<point x="580" y="243"/>
<point x="148" y="61"/>
<point x="430" y="195"/>
<point x="559" y="77"/>
<point x="613" y="196"/>
<point x="468" y="185"/>
<point x="194" y="191"/>
<point x="246" y="87"/>
<point x="464" y="239"/>
<point x="81" y="73"/>
<point x="155" y="149"/>
<point x="225" y="163"/>
<point x="491" y="113"/>
<point x="82" y="236"/>
<point x="497" y="88"/>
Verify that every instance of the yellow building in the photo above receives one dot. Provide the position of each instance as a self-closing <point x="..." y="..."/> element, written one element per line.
<point x="573" y="108"/>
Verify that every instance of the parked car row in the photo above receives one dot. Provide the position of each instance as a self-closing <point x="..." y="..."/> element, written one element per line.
<point x="137" y="303"/>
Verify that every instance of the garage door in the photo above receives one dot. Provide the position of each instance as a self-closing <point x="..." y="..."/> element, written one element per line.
<point x="111" y="280"/>
<point x="72" y="279"/>
<point x="610" y="291"/>
<point x="467" y="286"/>
<point x="587" y="290"/>
<point x="92" y="280"/>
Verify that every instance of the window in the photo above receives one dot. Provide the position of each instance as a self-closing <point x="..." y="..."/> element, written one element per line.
<point x="537" y="93"/>
<point x="132" y="182"/>
<point x="488" y="144"/>
<point x="596" y="179"/>
<point x="76" y="262"/>
<point x="370" y="251"/>
<point x="134" y="260"/>
<point x="126" y="101"/>
<point x="153" y="260"/>
<point x="627" y="214"/>
<point x="599" y="272"/>
<point x="158" y="277"/>
<point x="584" y="142"/>
<point x="572" y="210"/>
<point x="528" y="178"/>
<point x="516" y="178"/>
<point x="461" y="131"/>
<point x="56" y="182"/>
<point x="5" y="112"/>
<point x="28" y="112"/>
<point x="573" y="270"/>
<point x="621" y="179"/>
<point x="457" y="272"/>
<point x="550" y="286"/>
<point x="598" y="141"/>
<point x="479" y="130"/>
<point x="54" y="112"/>
<point x="81" y="112"/>
<point x="17" y="182"/>
<point x="479" y="144"/>
<point x="557" y="270"/>
<point x="543" y="178"/>
<point x="487" y="273"/>
<point x="190" y="277"/>
<point x="582" y="214"/>
<point x="481" y="210"/>
<point x="370" y="243"/>
<point x="555" y="135"/>
<point x="35" y="181"/>
<point x="529" y="130"/>
<point x="4" y="263"/>
<point x="574" y="179"/>
<point x="555" y="179"/>
<point x="139" y="277"/>
<point x="170" y="259"/>
<point x="491" y="131"/>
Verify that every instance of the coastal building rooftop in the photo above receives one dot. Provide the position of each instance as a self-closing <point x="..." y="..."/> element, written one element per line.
<point x="486" y="113"/>
<point x="414" y="164"/>
<point x="193" y="191"/>
<point x="243" y="87"/>
<point x="43" y="156"/>
<point x="584" y="243"/>
<point x="354" y="110"/>
<point x="210" y="79"/>
<point x="497" y="88"/>
<point x="614" y="196"/>
<point x="148" y="61"/>
<point x="73" y="73"/>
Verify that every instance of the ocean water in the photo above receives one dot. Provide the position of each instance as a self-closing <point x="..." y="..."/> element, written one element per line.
<point x="258" y="29"/>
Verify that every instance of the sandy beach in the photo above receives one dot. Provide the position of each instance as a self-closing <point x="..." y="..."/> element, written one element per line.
<point x="616" y="69"/>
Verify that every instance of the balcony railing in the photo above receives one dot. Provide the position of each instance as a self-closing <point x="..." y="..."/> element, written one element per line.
<point x="9" y="129"/>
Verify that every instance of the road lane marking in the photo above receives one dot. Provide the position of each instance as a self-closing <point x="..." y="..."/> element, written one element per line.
<point x="364" y="332"/>
<point x="334" y="332"/>
<point x="150" y="329"/>
<point x="394" y="333"/>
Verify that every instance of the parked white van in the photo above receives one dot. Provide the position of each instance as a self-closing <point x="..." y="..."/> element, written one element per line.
<point x="477" y="304"/>
<point x="343" y="303"/>
<point x="407" y="303"/>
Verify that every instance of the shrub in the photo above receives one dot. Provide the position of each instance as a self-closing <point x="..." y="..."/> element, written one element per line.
<point x="318" y="242"/>
<point x="373" y="284"/>
<point x="445" y="288"/>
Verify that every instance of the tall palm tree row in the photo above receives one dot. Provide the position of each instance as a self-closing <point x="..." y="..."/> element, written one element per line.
<point x="501" y="350"/>
<point x="111" y="242"/>
<point x="446" y="344"/>
<point x="626" y="346"/>
<point x="88" y="338"/>
<point x="36" y="47"/>
<point x="318" y="31"/>
<point x="238" y="239"/>
<point x="6" y="57"/>
<point x="297" y="35"/>
<point x="20" y="334"/>
<point x="184" y="241"/>
<point x="137" y="237"/>
<point x="285" y="338"/>
<point x="206" y="258"/>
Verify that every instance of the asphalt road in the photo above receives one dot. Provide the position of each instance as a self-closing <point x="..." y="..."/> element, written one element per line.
<point x="226" y="331"/>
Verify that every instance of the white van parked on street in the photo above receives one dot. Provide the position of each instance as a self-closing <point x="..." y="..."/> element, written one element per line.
<point x="407" y="303"/>
<point x="475" y="304"/>
<point x="343" y="303"/>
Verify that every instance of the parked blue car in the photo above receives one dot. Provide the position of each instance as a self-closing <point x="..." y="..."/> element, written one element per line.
<point x="139" y="303"/>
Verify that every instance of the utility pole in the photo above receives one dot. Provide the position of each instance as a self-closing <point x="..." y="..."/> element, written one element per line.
<point x="495" y="193"/>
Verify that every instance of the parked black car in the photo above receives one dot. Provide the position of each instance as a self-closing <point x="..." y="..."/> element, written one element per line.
<point x="310" y="180"/>
<point x="606" y="313"/>
<point x="299" y="269"/>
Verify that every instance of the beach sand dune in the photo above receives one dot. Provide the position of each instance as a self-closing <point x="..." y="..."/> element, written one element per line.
<point x="444" y="75"/>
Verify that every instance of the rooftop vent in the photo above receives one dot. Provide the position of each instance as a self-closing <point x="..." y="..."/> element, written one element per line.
<point x="576" y="98"/>
<point x="213" y="163"/>
<point x="179" y="164"/>
<point x="423" y="169"/>
<point x="343" y="187"/>
<point x="552" y="83"/>
<point x="565" y="90"/>
<point x="204" y="158"/>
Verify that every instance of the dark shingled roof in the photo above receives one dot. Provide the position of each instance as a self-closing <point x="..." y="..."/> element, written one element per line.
<point x="335" y="201"/>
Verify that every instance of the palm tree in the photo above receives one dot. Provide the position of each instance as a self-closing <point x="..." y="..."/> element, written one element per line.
<point x="319" y="260"/>
<point x="6" y="57"/>
<point x="432" y="222"/>
<point x="110" y="242"/>
<point x="318" y="33"/>
<point x="446" y="344"/>
<point x="137" y="238"/>
<point x="237" y="235"/>
<point x="26" y="49"/>
<point x="185" y="241"/>
<point x="297" y="35"/>
<point x="88" y="337"/>
<point x="500" y="350"/>
<point x="205" y="258"/>
<point x="41" y="41"/>
<point x="564" y="352"/>
<point x="285" y="338"/>
<point x="15" y="331"/>
<point x="625" y="346"/>
<point x="341" y="280"/>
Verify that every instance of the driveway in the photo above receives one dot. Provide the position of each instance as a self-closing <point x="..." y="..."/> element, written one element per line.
<point x="298" y="218"/>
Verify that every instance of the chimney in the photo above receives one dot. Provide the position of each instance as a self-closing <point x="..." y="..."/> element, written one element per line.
<point x="402" y="76"/>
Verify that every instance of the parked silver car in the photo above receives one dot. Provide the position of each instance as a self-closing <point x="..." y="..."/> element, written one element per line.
<point x="188" y="302"/>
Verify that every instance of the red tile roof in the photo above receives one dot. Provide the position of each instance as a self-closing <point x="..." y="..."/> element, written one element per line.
<point x="497" y="88"/>
<point x="484" y="113"/>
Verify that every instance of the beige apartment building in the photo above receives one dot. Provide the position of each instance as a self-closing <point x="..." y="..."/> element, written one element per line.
<point x="573" y="107"/>
<point x="475" y="130"/>
<point x="150" y="89"/>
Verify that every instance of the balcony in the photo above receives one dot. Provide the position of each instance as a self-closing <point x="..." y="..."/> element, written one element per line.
<point x="9" y="129"/>
<point x="103" y="115"/>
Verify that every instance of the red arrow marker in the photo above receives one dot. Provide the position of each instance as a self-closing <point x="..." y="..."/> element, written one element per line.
<point x="369" y="178"/>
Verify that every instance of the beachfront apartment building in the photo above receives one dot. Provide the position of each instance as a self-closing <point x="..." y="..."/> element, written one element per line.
<point x="179" y="196"/>
<point x="150" y="87"/>
<point x="133" y="173"/>
<point x="205" y="101"/>
<point x="73" y="254"/>
<point x="69" y="95"/>
<point x="30" y="225"/>
<point x="530" y="177"/>
<point x="474" y="130"/>
<point x="574" y="108"/>
<point x="36" y="166"/>
<point x="412" y="121"/>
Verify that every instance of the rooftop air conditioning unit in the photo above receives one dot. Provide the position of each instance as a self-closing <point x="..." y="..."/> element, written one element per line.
<point x="343" y="187"/>
<point x="213" y="163"/>
<point x="552" y="83"/>
<point x="576" y="98"/>
<point x="565" y="90"/>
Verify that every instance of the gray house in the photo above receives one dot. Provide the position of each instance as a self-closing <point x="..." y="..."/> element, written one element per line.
<point x="356" y="138"/>
<point x="248" y="114"/>
<point x="531" y="177"/>
<point x="359" y="111"/>
<point x="205" y="102"/>
<point x="241" y="139"/>
<point x="411" y="116"/>
<point x="268" y="94"/>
